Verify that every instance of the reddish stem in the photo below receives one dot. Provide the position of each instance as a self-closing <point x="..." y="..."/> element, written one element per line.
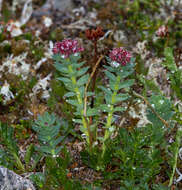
<point x="95" y="74"/>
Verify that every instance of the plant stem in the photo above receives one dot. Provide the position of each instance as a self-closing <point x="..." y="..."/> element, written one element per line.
<point x="79" y="98"/>
<point x="147" y="102"/>
<point x="19" y="163"/>
<point x="85" y="92"/>
<point x="95" y="73"/>
<point x="110" y="114"/>
<point x="178" y="140"/>
<point x="86" y="87"/>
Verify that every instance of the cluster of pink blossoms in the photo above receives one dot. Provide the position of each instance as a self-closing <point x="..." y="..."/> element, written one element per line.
<point x="67" y="47"/>
<point x="120" y="56"/>
<point x="162" y="31"/>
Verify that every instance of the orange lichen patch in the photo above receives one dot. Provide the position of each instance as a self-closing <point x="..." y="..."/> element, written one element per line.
<point x="69" y="175"/>
<point x="74" y="165"/>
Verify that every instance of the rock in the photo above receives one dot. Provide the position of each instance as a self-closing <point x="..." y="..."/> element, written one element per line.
<point x="60" y="5"/>
<point x="11" y="181"/>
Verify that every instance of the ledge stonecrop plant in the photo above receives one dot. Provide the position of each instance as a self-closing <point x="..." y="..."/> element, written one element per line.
<point x="121" y="67"/>
<point x="76" y="79"/>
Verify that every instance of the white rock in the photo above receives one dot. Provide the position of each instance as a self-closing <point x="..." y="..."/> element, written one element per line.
<point x="7" y="94"/>
<point x="47" y="21"/>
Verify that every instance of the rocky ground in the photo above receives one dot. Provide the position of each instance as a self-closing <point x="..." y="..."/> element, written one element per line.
<point x="30" y="28"/>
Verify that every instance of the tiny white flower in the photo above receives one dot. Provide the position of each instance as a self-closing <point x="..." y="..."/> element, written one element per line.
<point x="153" y="105"/>
<point x="115" y="64"/>
<point x="55" y="155"/>
<point x="84" y="136"/>
<point x="76" y="54"/>
<point x="111" y="129"/>
<point x="161" y="101"/>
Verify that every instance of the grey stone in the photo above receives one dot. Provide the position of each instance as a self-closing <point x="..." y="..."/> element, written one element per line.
<point x="49" y="5"/>
<point x="11" y="181"/>
<point x="60" y="5"/>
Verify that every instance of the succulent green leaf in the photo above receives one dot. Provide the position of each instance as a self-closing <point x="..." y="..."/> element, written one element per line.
<point x="64" y="79"/>
<point x="106" y="90"/>
<point x="79" y="65"/>
<point x="82" y="71"/>
<point x="169" y="62"/>
<point x="119" y="109"/>
<point x="83" y="80"/>
<point x="29" y="153"/>
<point x="73" y="102"/>
<point x="110" y="75"/>
<point x="74" y="59"/>
<point x="92" y="112"/>
<point x="126" y="84"/>
<point x="61" y="68"/>
<point x="121" y="97"/>
<point x="104" y="108"/>
<point x="77" y="121"/>
<point x="123" y="74"/>
<point x="69" y="94"/>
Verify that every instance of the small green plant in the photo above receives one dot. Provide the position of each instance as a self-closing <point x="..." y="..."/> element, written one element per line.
<point x="10" y="157"/>
<point x="136" y="156"/>
<point x="174" y="74"/>
<point x="48" y="130"/>
<point x="9" y="149"/>
<point x="162" y="113"/>
<point x="51" y="132"/>
<point x="56" y="173"/>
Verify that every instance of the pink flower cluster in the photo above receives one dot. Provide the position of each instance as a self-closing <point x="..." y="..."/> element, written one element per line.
<point x="119" y="55"/>
<point x="67" y="47"/>
<point x="162" y="31"/>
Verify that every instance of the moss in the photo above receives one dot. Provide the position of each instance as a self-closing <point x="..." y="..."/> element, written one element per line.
<point x="28" y="36"/>
<point x="36" y="51"/>
<point x="56" y="34"/>
<point x="19" y="47"/>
